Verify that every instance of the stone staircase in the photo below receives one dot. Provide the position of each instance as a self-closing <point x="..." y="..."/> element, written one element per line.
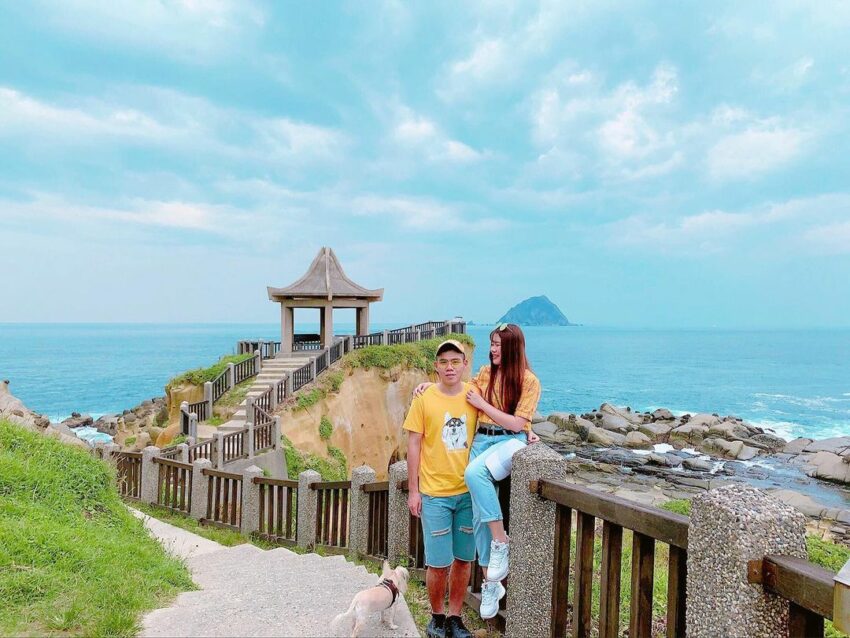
<point x="247" y="591"/>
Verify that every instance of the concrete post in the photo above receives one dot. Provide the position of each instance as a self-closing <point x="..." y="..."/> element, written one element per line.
<point x="150" y="474"/>
<point x="532" y="560"/>
<point x="273" y="397"/>
<point x="208" y="397"/>
<point x="200" y="489"/>
<point x="399" y="516"/>
<point x="276" y="434"/>
<point x="231" y="375"/>
<point x="250" y="500"/>
<point x="287" y="390"/>
<point x="250" y="442"/>
<point x="193" y="426"/>
<point x="219" y="450"/>
<point x="183" y="452"/>
<point x="249" y="409"/>
<point x="359" y="508"/>
<point x="287" y="329"/>
<point x="258" y="361"/>
<point x="730" y="526"/>
<point x="385" y="339"/>
<point x="313" y="368"/>
<point x="307" y="500"/>
<point x="260" y="345"/>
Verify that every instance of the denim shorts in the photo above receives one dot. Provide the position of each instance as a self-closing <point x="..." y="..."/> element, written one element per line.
<point x="447" y="529"/>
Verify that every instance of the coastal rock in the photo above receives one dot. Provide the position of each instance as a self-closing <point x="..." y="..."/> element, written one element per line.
<point x="623" y="413"/>
<point x="662" y="414"/>
<point x="572" y="423"/>
<point x="637" y="440"/>
<point x="830" y="467"/>
<point x="108" y="424"/>
<point x="729" y="449"/>
<point x="64" y="435"/>
<point x="801" y="502"/>
<point x="605" y="437"/>
<point x="143" y="439"/>
<point x="836" y="445"/>
<point x="77" y="420"/>
<point x="616" y="423"/>
<point x="706" y="420"/>
<point x="561" y="419"/>
<point x="730" y="430"/>
<point x="696" y="464"/>
<point x="14" y="410"/>
<point x="566" y="437"/>
<point x="544" y="428"/>
<point x="664" y="460"/>
<point x="538" y="418"/>
<point x="621" y="457"/>
<point x="746" y="453"/>
<point x="154" y="432"/>
<point x="654" y="430"/>
<point x="796" y="446"/>
<point x="691" y="432"/>
<point x="769" y="442"/>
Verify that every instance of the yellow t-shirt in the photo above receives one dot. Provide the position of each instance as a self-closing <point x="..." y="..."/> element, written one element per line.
<point x="528" y="398"/>
<point x="447" y="424"/>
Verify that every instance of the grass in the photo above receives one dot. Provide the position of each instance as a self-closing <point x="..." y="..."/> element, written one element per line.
<point x="177" y="440"/>
<point x="215" y="421"/>
<point x="326" y="428"/>
<point x="333" y="469"/>
<point x="329" y="383"/>
<point x="199" y="376"/>
<point x="226" y="537"/>
<point x="419" y="355"/>
<point x="236" y="394"/>
<point x="130" y="440"/>
<point x="73" y="560"/>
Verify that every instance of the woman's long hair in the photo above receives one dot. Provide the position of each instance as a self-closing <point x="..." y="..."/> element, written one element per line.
<point x="511" y="370"/>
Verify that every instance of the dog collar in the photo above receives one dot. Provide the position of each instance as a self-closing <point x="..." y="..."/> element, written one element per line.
<point x="392" y="587"/>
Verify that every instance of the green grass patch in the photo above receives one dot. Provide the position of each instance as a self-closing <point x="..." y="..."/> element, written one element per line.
<point x="329" y="383"/>
<point x="226" y="537"/>
<point x="177" y="440"/>
<point x="215" y="421"/>
<point x="199" y="376"/>
<point x="73" y="560"/>
<point x="333" y="469"/>
<point x="333" y="380"/>
<point x="419" y="355"/>
<point x="236" y="395"/>
<point x="326" y="428"/>
<point x="678" y="506"/>
<point x="130" y="440"/>
<point x="309" y="398"/>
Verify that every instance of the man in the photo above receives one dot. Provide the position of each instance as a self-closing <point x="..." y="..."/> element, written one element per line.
<point x="440" y="426"/>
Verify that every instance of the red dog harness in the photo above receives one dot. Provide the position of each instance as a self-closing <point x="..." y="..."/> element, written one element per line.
<point x="390" y="585"/>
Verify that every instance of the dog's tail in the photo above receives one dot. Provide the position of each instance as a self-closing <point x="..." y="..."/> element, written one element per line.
<point x="343" y="624"/>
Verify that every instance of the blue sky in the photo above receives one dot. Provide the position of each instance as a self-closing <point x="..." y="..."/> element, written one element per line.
<point x="642" y="163"/>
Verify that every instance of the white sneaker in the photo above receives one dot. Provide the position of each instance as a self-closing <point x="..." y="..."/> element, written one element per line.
<point x="492" y="592"/>
<point x="498" y="567"/>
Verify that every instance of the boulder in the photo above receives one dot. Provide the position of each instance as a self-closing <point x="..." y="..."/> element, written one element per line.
<point x="729" y="449"/>
<point x="561" y="419"/>
<point x="830" y="467"/>
<point x="14" y="410"/>
<point x="805" y="504"/>
<point x="616" y="423"/>
<point x="836" y="445"/>
<point x="605" y="437"/>
<point x="662" y="414"/>
<point x="566" y="437"/>
<point x="654" y="430"/>
<point x="624" y="413"/>
<point x="730" y="430"/>
<point x="693" y="433"/>
<point x="621" y="457"/>
<point x="143" y="439"/>
<point x="544" y="428"/>
<point x="77" y="420"/>
<point x="769" y="442"/>
<point x="637" y="440"/>
<point x="696" y="464"/>
<point x="572" y="423"/>
<point x="538" y="418"/>
<point x="704" y="419"/>
<point x="154" y="432"/>
<point x="796" y="446"/>
<point x="108" y="424"/>
<point x="65" y="436"/>
<point x="664" y="460"/>
<point x="746" y="453"/>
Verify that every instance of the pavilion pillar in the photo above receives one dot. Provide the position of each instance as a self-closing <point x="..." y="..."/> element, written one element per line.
<point x="287" y="328"/>
<point x="326" y="324"/>
<point x="362" y="327"/>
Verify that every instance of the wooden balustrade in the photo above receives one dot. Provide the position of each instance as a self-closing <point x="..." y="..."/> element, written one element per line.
<point x="169" y="452"/>
<point x="278" y="510"/>
<point x="202" y="450"/>
<point x="264" y="401"/>
<point x="809" y="589"/>
<point x="244" y="370"/>
<point x="224" y="499"/>
<point x="280" y="391"/>
<point x="303" y="346"/>
<point x="332" y="514"/>
<point x="200" y="409"/>
<point x="129" y="469"/>
<point x="264" y="435"/>
<point x="184" y="422"/>
<point x="234" y="446"/>
<point x="648" y="525"/>
<point x="174" y="485"/>
<point x="377" y="532"/>
<point x="321" y="362"/>
<point x="336" y="351"/>
<point x="302" y="376"/>
<point x="220" y="386"/>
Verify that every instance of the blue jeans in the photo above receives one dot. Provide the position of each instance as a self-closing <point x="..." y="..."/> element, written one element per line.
<point x="482" y="489"/>
<point x="447" y="529"/>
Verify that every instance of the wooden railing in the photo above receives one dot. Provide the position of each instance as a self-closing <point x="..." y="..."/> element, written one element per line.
<point x="374" y="339"/>
<point x="809" y="589"/>
<point x="278" y="510"/>
<point x="200" y="409"/>
<point x="303" y="346"/>
<point x="129" y="468"/>
<point x="263" y="430"/>
<point x="202" y="450"/>
<point x="322" y="362"/>
<point x="280" y="391"/>
<point x="220" y="386"/>
<point x="174" y="485"/>
<point x="244" y="370"/>
<point x="648" y="525"/>
<point x="332" y="514"/>
<point x="378" y="519"/>
<point x="336" y="351"/>
<point x="169" y="452"/>
<point x="234" y="446"/>
<point x="302" y="376"/>
<point x="224" y="499"/>
<point x="264" y="401"/>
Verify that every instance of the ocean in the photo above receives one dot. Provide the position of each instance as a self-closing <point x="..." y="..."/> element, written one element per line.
<point x="796" y="383"/>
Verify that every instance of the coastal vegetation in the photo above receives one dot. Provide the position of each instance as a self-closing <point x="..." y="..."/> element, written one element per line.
<point x="199" y="376"/>
<point x="326" y="428"/>
<point x="334" y="468"/>
<point x="419" y="355"/>
<point x="235" y="395"/>
<point x="73" y="560"/>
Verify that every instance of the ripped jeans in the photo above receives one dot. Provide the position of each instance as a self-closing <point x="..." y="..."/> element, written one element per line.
<point x="447" y="529"/>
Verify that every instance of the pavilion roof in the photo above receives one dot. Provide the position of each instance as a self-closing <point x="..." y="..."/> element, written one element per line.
<point x="325" y="278"/>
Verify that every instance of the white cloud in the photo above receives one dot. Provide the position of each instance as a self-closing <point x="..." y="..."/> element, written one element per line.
<point x="759" y="149"/>
<point x="416" y="132"/>
<point x="486" y="62"/>
<point x="423" y="214"/>
<point x="830" y="238"/>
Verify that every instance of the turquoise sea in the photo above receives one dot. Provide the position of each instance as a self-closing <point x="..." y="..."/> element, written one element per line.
<point x="796" y="382"/>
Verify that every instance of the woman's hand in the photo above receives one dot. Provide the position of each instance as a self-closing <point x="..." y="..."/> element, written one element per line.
<point x="421" y="388"/>
<point x="475" y="400"/>
<point x="532" y="437"/>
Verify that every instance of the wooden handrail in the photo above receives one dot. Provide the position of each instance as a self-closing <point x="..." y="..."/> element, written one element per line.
<point x="382" y="486"/>
<point x="265" y="480"/>
<point x="172" y="463"/>
<point x="796" y="579"/>
<point x="330" y="485"/>
<point x="208" y="471"/>
<point x="659" y="524"/>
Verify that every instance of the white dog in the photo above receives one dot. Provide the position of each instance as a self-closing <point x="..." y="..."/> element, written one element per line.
<point x="380" y="598"/>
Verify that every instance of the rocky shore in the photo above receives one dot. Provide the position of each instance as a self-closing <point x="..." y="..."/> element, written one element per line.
<point x="133" y="429"/>
<point x="655" y="457"/>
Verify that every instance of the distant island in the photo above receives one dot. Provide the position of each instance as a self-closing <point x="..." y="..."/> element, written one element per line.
<point x="536" y="311"/>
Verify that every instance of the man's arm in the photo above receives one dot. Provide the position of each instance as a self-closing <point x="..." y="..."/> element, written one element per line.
<point x="414" y="450"/>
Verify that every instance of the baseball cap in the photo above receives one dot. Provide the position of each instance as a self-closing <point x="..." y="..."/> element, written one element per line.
<point x="450" y="344"/>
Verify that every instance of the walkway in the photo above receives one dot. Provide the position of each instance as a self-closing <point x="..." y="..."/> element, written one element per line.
<point x="248" y="591"/>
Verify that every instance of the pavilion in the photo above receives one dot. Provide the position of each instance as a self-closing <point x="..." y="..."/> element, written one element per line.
<point x="324" y="286"/>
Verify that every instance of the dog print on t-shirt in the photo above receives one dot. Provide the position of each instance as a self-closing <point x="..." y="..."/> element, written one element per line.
<point x="454" y="432"/>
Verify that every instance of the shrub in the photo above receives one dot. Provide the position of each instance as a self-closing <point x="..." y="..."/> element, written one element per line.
<point x="419" y="355"/>
<point x="130" y="440"/>
<point x="679" y="506"/>
<point x="326" y="428"/>
<point x="199" y="376"/>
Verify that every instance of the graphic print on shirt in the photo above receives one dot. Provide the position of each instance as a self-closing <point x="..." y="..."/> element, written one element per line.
<point x="454" y="432"/>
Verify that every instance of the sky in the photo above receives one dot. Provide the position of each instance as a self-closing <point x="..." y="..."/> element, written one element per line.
<point x="644" y="164"/>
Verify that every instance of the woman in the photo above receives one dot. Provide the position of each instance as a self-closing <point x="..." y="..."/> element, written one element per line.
<point x="505" y="393"/>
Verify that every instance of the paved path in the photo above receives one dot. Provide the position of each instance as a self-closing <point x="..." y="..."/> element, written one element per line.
<point x="247" y="591"/>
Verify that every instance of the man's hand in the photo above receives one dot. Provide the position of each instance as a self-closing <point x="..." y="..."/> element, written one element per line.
<point x="532" y="437"/>
<point x="475" y="400"/>
<point x="421" y="388"/>
<point x="414" y="503"/>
